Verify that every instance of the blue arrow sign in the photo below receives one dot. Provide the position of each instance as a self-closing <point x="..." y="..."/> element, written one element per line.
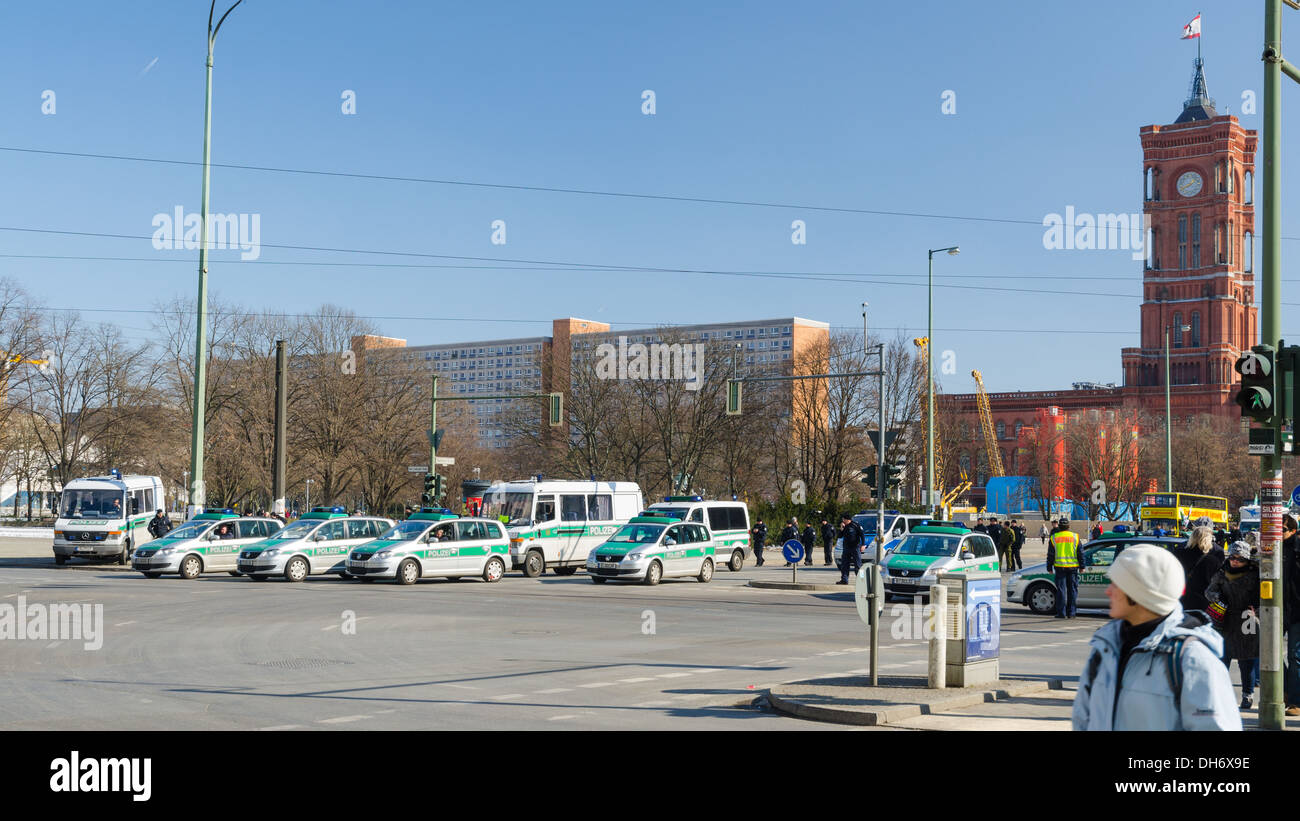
<point x="793" y="551"/>
<point x="1295" y="496"/>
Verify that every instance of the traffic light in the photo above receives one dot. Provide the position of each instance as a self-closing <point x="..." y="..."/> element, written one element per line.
<point x="439" y="486"/>
<point x="733" y="397"/>
<point x="428" y="497"/>
<point x="556" y="409"/>
<point x="869" y="476"/>
<point x="893" y="475"/>
<point x="1258" y="395"/>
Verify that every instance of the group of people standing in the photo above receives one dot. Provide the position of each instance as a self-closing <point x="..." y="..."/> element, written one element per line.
<point x="1009" y="538"/>
<point x="849" y="530"/>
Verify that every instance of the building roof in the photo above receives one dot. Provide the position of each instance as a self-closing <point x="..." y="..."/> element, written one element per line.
<point x="1199" y="105"/>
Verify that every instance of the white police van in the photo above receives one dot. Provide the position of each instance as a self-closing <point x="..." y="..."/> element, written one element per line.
<point x="208" y="543"/>
<point x="556" y="523"/>
<point x="650" y="548"/>
<point x="316" y="544"/>
<point x="897" y="526"/>
<point x="727" y="521"/>
<point x="433" y="543"/>
<point x="106" y="517"/>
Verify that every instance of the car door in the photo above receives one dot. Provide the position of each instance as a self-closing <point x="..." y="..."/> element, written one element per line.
<point x="573" y="522"/>
<point x="223" y="554"/>
<point x="326" y="547"/>
<point x="1094" y="578"/>
<point x="702" y="548"/>
<point x="600" y="524"/>
<point x="440" y="556"/>
<point x="471" y="545"/>
<point x="673" y="546"/>
<point x="985" y="554"/>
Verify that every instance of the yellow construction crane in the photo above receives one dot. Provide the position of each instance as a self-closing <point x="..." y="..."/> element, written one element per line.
<point x="923" y="343"/>
<point x="986" y="422"/>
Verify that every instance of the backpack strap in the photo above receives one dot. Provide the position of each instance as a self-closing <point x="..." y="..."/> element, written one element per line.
<point x="1174" y="651"/>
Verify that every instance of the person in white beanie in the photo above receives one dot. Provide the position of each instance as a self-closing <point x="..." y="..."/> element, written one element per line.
<point x="1155" y="667"/>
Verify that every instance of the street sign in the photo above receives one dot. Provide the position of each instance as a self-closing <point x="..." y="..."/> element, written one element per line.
<point x="1295" y="496"/>
<point x="1261" y="442"/>
<point x="418" y="469"/>
<point x="446" y="460"/>
<point x="860" y="590"/>
<point x="793" y="551"/>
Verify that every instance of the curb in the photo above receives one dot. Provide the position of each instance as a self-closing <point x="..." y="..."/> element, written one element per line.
<point x="898" y="712"/>
<point x="762" y="585"/>
<point x="48" y="564"/>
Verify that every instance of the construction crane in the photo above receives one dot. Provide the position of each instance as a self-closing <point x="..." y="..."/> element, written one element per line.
<point x="923" y="343"/>
<point x="986" y="422"/>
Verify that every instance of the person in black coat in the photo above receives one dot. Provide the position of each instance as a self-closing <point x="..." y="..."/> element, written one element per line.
<point x="1291" y="611"/>
<point x="853" y="537"/>
<point x="159" y="525"/>
<point x="1205" y="560"/>
<point x="760" y="539"/>
<point x="809" y="540"/>
<point x="828" y="542"/>
<point x="1233" y="595"/>
<point x="791" y="531"/>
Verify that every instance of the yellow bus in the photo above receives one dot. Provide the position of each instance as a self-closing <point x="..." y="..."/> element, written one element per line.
<point x="1169" y="511"/>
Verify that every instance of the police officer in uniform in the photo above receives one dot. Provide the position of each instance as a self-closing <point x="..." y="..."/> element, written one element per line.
<point x="1063" y="559"/>
<point x="760" y="539"/>
<point x="809" y="540"/>
<point x="828" y="542"/>
<point x="853" y="537"/>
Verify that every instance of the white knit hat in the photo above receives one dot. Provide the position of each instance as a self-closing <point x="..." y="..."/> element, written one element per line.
<point x="1150" y="576"/>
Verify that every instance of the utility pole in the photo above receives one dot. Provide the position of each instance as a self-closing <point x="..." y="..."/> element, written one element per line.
<point x="197" y="491"/>
<point x="281" y="434"/>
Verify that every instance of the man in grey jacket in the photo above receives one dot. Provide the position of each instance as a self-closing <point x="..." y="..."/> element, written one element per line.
<point x="1154" y="667"/>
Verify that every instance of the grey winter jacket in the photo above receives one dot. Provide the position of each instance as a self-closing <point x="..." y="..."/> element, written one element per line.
<point x="1145" y="699"/>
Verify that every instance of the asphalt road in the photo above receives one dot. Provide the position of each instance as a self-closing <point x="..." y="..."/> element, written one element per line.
<point x="552" y="653"/>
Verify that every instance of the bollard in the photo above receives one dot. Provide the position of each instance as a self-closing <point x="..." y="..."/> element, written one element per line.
<point x="938" y="637"/>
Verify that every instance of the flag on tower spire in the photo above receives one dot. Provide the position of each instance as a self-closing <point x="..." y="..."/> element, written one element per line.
<point x="1192" y="29"/>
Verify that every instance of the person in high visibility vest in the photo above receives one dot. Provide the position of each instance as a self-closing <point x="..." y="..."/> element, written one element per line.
<point x="1063" y="559"/>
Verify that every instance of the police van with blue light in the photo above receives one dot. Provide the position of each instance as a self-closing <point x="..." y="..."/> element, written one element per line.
<point x="728" y="521"/>
<point x="105" y="517"/>
<point x="897" y="526"/>
<point x="434" y="543"/>
<point x="317" y="544"/>
<point x="208" y="543"/>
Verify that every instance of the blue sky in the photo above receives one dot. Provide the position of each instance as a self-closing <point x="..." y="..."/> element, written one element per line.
<point x="823" y="104"/>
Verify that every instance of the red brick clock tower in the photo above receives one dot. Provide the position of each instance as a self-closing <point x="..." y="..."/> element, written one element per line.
<point x="1198" y="278"/>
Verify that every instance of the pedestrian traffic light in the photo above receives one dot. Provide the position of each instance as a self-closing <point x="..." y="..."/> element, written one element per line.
<point x="556" y="409"/>
<point x="1258" y="394"/>
<point x="733" y="397"/>
<point x="869" y="476"/>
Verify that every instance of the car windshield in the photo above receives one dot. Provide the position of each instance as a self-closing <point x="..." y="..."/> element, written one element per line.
<point x="405" y="531"/>
<point x="868" y="523"/>
<point x="91" y="504"/>
<point x="189" y="530"/>
<point x="297" y="530"/>
<point x="929" y="544"/>
<point x="516" y="507"/>
<point x="637" y="534"/>
<point x="672" y="512"/>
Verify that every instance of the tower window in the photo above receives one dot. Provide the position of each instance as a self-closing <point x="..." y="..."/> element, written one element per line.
<point x="1196" y="240"/>
<point x="1177" y="331"/>
<point x="1182" y="241"/>
<point x="1196" y="329"/>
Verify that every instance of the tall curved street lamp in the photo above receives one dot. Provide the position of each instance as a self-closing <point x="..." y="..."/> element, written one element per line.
<point x="929" y="379"/>
<point x="198" y="494"/>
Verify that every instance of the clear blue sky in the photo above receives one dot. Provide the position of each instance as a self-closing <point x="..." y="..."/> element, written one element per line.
<point x="826" y="103"/>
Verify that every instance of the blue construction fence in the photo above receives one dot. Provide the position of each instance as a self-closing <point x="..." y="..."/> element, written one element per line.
<point x="1016" y="495"/>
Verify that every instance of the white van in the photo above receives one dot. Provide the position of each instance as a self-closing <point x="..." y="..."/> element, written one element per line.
<point x="557" y="523"/>
<point x="727" y="521"/>
<point x="106" y="517"/>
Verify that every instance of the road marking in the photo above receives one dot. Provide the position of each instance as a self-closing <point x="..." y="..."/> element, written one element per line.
<point x="54" y="644"/>
<point x="341" y="719"/>
<point x="11" y="595"/>
<point x="709" y="670"/>
<point x="124" y="623"/>
<point x="672" y="675"/>
<point x="653" y="703"/>
<point x="383" y="712"/>
<point x="506" y="696"/>
<point x="561" y="718"/>
<point x="635" y="680"/>
<point x="281" y="727"/>
<point x="554" y="690"/>
<point x="597" y="684"/>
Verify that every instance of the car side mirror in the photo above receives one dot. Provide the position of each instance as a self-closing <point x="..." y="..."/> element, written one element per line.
<point x="967" y="555"/>
<point x="669" y="541"/>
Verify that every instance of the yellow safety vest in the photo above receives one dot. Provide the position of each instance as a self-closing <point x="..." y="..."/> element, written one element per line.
<point x="1065" y="549"/>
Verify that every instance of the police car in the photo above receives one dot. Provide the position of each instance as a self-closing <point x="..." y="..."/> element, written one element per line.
<point x="916" y="562"/>
<point x="434" y="543"/>
<point x="650" y="548"/>
<point x="210" y="542"/>
<point x="1035" y="586"/>
<point x="728" y="522"/>
<point x="897" y="525"/>
<point x="317" y="543"/>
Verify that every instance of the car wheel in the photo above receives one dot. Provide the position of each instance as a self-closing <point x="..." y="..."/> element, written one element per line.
<point x="408" y="572"/>
<point x="653" y="573"/>
<point x="565" y="571"/>
<point x="534" y="564"/>
<point x="737" y="561"/>
<point x="125" y="556"/>
<point x="60" y="560"/>
<point x="598" y="580"/>
<point x="1041" y="599"/>
<point x="706" y="571"/>
<point x="296" y="570"/>
<point x="191" y="567"/>
<point x="152" y="575"/>
<point x="494" y="570"/>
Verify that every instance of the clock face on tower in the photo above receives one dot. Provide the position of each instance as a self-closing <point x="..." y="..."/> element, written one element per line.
<point x="1189" y="184"/>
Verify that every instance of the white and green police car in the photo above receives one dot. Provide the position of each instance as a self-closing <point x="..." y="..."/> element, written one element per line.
<point x="1035" y="586"/>
<point x="208" y="543"/>
<point x="728" y="521"/>
<point x="650" y="548"/>
<point x="316" y="544"/>
<point x="434" y="543"/>
<point x="916" y="562"/>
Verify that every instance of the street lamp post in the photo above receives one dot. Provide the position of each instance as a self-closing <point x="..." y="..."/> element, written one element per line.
<point x="197" y="492"/>
<point x="1169" y="437"/>
<point x="307" y="503"/>
<point x="929" y="377"/>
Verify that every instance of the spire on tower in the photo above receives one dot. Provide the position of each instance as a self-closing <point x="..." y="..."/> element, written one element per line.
<point x="1199" y="104"/>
